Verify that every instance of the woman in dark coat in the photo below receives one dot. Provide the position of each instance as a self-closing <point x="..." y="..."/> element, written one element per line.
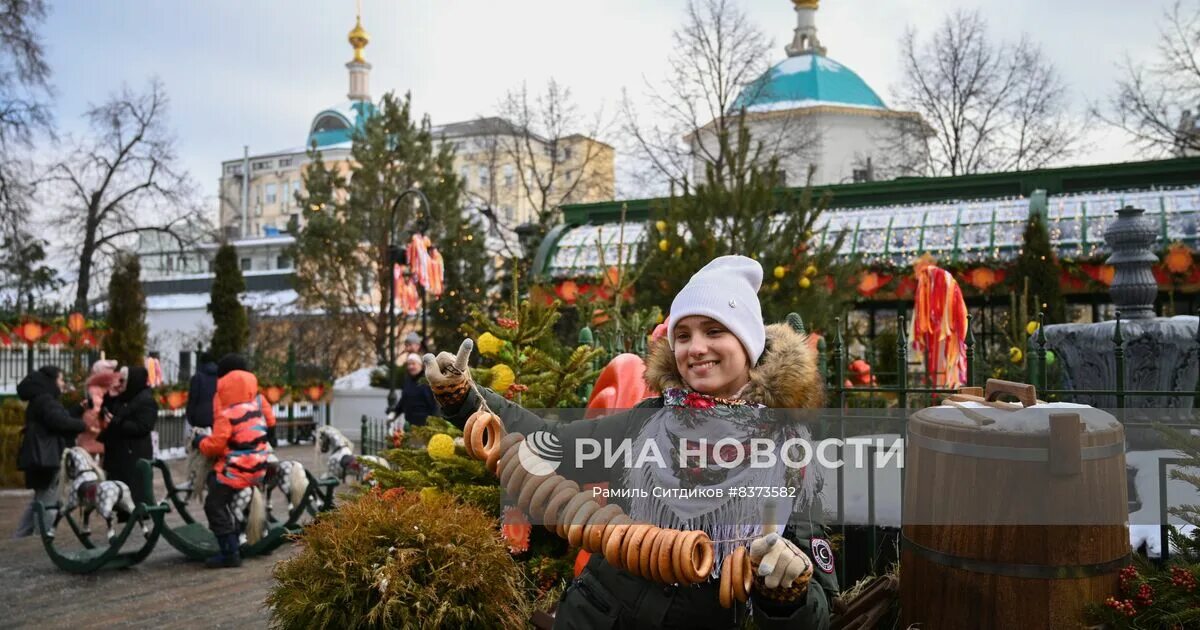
<point x="126" y="436"/>
<point x="416" y="398"/>
<point x="49" y="429"/>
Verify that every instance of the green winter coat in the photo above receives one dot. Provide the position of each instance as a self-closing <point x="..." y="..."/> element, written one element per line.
<point x="605" y="597"/>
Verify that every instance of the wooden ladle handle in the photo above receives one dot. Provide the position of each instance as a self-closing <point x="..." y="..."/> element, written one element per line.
<point x="1024" y="392"/>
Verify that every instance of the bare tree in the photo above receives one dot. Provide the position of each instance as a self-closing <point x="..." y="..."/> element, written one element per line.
<point x="122" y="181"/>
<point x="555" y="150"/>
<point x="987" y="106"/>
<point x="24" y="89"/>
<point x="1154" y="102"/>
<point x="718" y="56"/>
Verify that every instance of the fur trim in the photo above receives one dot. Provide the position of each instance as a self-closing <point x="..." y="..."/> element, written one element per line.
<point x="103" y="380"/>
<point x="786" y="376"/>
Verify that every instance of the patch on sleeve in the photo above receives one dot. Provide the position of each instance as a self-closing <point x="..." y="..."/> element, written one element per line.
<point x="822" y="553"/>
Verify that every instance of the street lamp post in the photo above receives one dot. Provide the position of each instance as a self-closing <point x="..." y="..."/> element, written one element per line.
<point x="395" y="255"/>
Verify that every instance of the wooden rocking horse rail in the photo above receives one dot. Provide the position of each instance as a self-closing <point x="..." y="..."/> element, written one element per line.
<point x="322" y="488"/>
<point x="173" y="491"/>
<point x="196" y="541"/>
<point x="93" y="558"/>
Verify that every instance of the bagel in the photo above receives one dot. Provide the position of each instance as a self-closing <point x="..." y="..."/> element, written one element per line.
<point x="631" y="547"/>
<point x="579" y="519"/>
<point x="705" y="566"/>
<point x="567" y="516"/>
<point x="541" y="498"/>
<point x="558" y="500"/>
<point x="469" y="431"/>
<point x="646" y="554"/>
<point x="593" y="534"/>
<point x="654" y="571"/>
<point x="531" y="486"/>
<point x="613" y="545"/>
<point x="504" y="468"/>
<point x="666" y="556"/>
<point x="488" y="431"/>
<point x="684" y="562"/>
<point x="506" y="444"/>
<point x="516" y="478"/>
<point x="621" y="519"/>
<point x="740" y="578"/>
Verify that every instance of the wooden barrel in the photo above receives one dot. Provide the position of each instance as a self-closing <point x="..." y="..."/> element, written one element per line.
<point x="1012" y="519"/>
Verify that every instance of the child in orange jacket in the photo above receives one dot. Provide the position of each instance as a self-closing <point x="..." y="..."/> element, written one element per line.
<point x="242" y="452"/>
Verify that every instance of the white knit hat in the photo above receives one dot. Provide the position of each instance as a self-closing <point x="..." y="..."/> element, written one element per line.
<point x="726" y="290"/>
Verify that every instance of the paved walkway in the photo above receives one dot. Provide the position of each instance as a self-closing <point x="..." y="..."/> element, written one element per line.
<point x="165" y="591"/>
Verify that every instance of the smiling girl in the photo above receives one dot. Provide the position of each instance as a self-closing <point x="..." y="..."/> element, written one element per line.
<point x="722" y="374"/>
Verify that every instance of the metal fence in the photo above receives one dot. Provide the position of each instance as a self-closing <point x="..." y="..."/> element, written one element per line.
<point x="171" y="427"/>
<point x="374" y="435"/>
<point x="17" y="361"/>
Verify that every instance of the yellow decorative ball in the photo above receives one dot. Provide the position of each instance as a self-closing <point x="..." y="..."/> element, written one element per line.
<point x="805" y="283"/>
<point x="780" y="272"/>
<point x="664" y="245"/>
<point x="489" y="344"/>
<point x="1031" y="327"/>
<point x="808" y="235"/>
<point x="502" y="378"/>
<point x="441" y="446"/>
<point x="661" y="226"/>
<point x="810" y="271"/>
<point x="430" y="495"/>
<point x="1015" y="355"/>
<point x="679" y="251"/>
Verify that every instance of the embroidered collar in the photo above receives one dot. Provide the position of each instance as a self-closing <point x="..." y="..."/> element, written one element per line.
<point x="683" y="397"/>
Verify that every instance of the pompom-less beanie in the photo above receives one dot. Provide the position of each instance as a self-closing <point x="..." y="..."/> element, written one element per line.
<point x="726" y="290"/>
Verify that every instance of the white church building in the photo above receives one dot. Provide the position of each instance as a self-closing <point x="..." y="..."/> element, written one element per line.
<point x="813" y="112"/>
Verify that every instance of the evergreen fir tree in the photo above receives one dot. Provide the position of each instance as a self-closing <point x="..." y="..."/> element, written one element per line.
<point x="126" y="342"/>
<point x="740" y="209"/>
<point x="460" y="238"/>
<point x="343" y="261"/>
<point x="229" y="316"/>
<point x="527" y="362"/>
<point x="1038" y="264"/>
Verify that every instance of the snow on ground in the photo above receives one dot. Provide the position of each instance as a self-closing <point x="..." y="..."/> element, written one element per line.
<point x="358" y="379"/>
<point x="1144" y="523"/>
<point x="176" y="452"/>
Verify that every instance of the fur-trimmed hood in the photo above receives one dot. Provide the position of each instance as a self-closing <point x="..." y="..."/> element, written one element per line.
<point x="786" y="376"/>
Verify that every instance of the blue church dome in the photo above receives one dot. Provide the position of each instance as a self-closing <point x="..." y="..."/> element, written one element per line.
<point x="807" y="80"/>
<point x="336" y="125"/>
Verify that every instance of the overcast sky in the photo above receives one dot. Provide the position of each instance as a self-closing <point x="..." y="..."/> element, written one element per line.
<point x="254" y="73"/>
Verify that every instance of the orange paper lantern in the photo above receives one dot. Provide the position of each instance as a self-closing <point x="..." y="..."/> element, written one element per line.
<point x="1179" y="258"/>
<point x="982" y="278"/>
<point x="273" y="394"/>
<point x="76" y="323"/>
<point x="1106" y="274"/>
<point x="30" y="331"/>
<point x="176" y="399"/>
<point x="314" y="392"/>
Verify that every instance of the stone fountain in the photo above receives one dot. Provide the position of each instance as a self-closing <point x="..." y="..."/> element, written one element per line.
<point x="1160" y="353"/>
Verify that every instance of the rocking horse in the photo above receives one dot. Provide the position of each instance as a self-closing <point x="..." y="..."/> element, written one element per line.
<point x="341" y="460"/>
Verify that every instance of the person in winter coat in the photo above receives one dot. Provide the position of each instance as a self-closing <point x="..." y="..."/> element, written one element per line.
<point x="233" y="362"/>
<point x="126" y="434"/>
<point x="49" y="430"/>
<point x="201" y="391"/>
<point x="102" y="380"/>
<point x="416" y="398"/>
<point x="748" y="379"/>
<point x="240" y="447"/>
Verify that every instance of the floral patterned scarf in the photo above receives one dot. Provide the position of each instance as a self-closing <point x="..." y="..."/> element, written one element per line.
<point x="723" y="510"/>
